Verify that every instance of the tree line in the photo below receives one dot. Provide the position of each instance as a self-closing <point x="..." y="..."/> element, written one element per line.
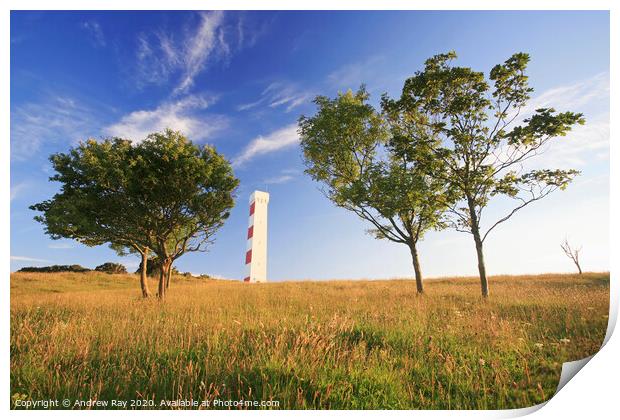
<point x="431" y="159"/>
<point x="438" y="155"/>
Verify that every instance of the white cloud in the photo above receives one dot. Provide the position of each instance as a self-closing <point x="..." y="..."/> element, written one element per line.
<point x="584" y="144"/>
<point x="181" y="115"/>
<point x="280" y="94"/>
<point x="160" y="55"/>
<point x="250" y="105"/>
<point x="351" y="76"/>
<point x="17" y="188"/>
<point x="281" y="179"/>
<point x="95" y="32"/>
<point x="29" y="259"/>
<point x="61" y="245"/>
<point x="55" y="119"/>
<point x="261" y="145"/>
<point x="199" y="48"/>
<point x="285" y="176"/>
<point x="572" y="97"/>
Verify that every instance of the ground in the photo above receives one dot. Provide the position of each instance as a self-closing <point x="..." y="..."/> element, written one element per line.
<point x="337" y="344"/>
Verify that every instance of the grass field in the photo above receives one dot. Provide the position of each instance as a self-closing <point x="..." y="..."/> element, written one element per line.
<point x="340" y="344"/>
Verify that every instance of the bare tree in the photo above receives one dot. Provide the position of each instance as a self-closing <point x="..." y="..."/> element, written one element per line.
<point x="571" y="253"/>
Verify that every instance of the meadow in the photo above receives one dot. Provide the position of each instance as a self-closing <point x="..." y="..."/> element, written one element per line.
<point x="336" y="344"/>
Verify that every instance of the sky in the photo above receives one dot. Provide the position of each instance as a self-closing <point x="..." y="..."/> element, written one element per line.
<point x="240" y="80"/>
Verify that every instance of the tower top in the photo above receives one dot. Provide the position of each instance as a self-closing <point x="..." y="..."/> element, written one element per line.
<point x="256" y="195"/>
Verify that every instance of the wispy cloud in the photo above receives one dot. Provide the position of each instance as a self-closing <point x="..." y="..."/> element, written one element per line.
<point x="352" y="75"/>
<point x="573" y="96"/>
<point x="182" y="115"/>
<point x="286" y="175"/>
<point x="17" y="189"/>
<point x="280" y="179"/>
<point x="208" y="41"/>
<point x="250" y="105"/>
<point x="261" y="145"/>
<point x="286" y="95"/>
<point x="61" y="245"/>
<point x="249" y="31"/>
<point x="162" y="55"/>
<point x="54" y="119"/>
<point x="585" y="143"/>
<point x="280" y="94"/>
<point x="96" y="33"/>
<point x="28" y="259"/>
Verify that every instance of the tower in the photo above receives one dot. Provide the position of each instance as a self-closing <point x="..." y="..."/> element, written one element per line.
<point x="256" y="251"/>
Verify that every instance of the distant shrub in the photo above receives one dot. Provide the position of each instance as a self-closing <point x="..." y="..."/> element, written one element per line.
<point x="152" y="268"/>
<point x="188" y="274"/>
<point x="112" y="268"/>
<point x="55" y="269"/>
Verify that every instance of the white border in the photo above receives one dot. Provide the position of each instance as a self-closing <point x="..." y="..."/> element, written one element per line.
<point x="593" y="394"/>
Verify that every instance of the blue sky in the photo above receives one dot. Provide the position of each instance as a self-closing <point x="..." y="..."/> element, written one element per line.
<point x="240" y="81"/>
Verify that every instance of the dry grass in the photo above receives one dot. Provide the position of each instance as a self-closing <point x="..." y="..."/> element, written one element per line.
<point x="340" y="344"/>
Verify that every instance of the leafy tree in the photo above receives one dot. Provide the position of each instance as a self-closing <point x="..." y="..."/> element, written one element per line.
<point x="95" y="204"/>
<point x="473" y="128"/>
<point x="153" y="267"/>
<point x="189" y="191"/>
<point x="112" y="268"/>
<point x="349" y="147"/>
<point x="164" y="196"/>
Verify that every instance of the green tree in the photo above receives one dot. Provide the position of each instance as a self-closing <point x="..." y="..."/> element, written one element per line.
<point x="189" y="191"/>
<point x="350" y="148"/>
<point x="483" y="145"/>
<point x="93" y="205"/>
<point x="164" y="196"/>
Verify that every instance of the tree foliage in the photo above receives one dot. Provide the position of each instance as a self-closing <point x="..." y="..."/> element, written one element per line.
<point x="190" y="192"/>
<point x="112" y="268"/>
<point x="472" y="127"/>
<point x="164" y="196"/>
<point x="353" y="151"/>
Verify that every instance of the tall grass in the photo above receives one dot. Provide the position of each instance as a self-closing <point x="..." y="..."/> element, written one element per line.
<point x="341" y="344"/>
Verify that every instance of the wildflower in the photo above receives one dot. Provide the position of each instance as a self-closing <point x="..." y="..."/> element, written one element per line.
<point x="482" y="362"/>
<point x="539" y="345"/>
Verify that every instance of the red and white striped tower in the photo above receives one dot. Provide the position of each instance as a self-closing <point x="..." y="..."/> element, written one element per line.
<point x="256" y="251"/>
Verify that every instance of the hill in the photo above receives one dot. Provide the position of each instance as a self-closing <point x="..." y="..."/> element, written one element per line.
<point x="340" y="344"/>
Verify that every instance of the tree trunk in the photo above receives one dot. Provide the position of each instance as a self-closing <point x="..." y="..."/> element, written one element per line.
<point x="475" y="230"/>
<point x="578" y="267"/>
<point x="416" y="268"/>
<point x="143" y="275"/>
<point x="163" y="270"/>
<point x="484" y="284"/>
<point x="168" y="275"/>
